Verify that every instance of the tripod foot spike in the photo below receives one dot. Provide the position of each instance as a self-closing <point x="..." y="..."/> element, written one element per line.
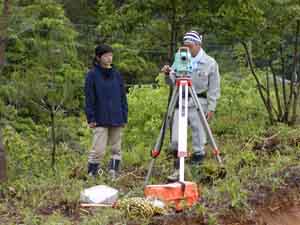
<point x="155" y="153"/>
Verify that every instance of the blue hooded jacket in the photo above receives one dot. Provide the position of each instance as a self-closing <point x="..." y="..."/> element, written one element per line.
<point x="105" y="97"/>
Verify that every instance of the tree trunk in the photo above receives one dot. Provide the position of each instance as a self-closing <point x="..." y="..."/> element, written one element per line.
<point x="173" y="39"/>
<point x="3" y="30"/>
<point x="3" y="169"/>
<point x="53" y="135"/>
<point x="277" y="93"/>
<point x="295" y="72"/>
<point x="260" y="87"/>
<point x="3" y="41"/>
<point x="283" y="84"/>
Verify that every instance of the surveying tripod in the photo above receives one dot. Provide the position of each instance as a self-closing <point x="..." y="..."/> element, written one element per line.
<point x="183" y="88"/>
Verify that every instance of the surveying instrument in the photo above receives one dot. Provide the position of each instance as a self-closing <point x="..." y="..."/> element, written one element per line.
<point x="182" y="69"/>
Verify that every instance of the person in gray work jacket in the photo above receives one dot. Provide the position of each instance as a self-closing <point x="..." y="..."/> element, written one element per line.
<point x="206" y="82"/>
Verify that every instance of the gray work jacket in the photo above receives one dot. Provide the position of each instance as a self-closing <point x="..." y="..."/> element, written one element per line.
<point x="205" y="78"/>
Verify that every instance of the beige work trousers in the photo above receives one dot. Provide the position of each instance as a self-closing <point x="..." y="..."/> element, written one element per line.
<point x="104" y="136"/>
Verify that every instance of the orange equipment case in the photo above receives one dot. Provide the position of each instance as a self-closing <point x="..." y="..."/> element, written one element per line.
<point x="179" y="194"/>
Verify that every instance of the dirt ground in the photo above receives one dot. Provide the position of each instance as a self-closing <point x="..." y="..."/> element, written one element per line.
<point x="288" y="216"/>
<point x="279" y="213"/>
<point x="281" y="207"/>
<point x="267" y="207"/>
<point x="267" y="216"/>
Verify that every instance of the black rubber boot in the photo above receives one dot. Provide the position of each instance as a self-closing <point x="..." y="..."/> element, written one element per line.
<point x="93" y="169"/>
<point x="175" y="175"/>
<point x="197" y="159"/>
<point x="176" y="164"/>
<point x="114" y="167"/>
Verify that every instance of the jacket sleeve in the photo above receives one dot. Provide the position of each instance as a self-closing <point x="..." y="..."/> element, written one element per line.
<point x="170" y="79"/>
<point x="124" y="99"/>
<point x="90" y="98"/>
<point x="213" y="92"/>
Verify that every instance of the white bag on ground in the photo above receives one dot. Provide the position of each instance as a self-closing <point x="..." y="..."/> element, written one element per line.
<point x="100" y="194"/>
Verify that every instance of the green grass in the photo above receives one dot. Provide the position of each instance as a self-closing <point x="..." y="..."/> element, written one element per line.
<point x="37" y="194"/>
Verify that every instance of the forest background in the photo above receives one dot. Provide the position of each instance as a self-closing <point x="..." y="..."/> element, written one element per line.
<point x="46" y="48"/>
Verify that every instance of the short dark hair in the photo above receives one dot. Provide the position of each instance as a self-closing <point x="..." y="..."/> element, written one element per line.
<point x="102" y="49"/>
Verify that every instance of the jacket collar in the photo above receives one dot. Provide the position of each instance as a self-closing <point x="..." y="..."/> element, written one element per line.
<point x="104" y="72"/>
<point x="101" y="68"/>
<point x="200" y="57"/>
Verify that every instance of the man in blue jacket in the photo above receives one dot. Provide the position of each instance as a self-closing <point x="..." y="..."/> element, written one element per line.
<point x="106" y="109"/>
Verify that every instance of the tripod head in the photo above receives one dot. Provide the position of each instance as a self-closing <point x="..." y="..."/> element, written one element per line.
<point x="182" y="65"/>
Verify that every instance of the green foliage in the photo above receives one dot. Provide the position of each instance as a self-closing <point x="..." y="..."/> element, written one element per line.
<point x="32" y="180"/>
<point x="43" y="64"/>
<point x="147" y="106"/>
<point x="239" y="108"/>
<point x="133" y="66"/>
<point x="104" y="217"/>
<point x="32" y="28"/>
<point x="7" y="112"/>
<point x="83" y="12"/>
<point x="28" y="156"/>
<point x="43" y="58"/>
<point x="234" y="191"/>
<point x="239" y="19"/>
<point x="28" y="144"/>
<point x="44" y="73"/>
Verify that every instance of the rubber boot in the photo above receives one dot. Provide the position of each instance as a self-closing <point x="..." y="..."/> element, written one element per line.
<point x="175" y="175"/>
<point x="197" y="159"/>
<point x="114" y="168"/>
<point x="93" y="169"/>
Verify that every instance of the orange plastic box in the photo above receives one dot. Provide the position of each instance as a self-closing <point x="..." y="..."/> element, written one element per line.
<point x="179" y="194"/>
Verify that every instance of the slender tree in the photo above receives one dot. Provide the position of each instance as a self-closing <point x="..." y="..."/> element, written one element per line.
<point x="46" y="72"/>
<point x="3" y="43"/>
<point x="269" y="33"/>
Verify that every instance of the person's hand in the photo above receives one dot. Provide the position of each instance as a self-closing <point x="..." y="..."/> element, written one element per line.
<point x="92" y="125"/>
<point x="166" y="69"/>
<point x="209" y="115"/>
